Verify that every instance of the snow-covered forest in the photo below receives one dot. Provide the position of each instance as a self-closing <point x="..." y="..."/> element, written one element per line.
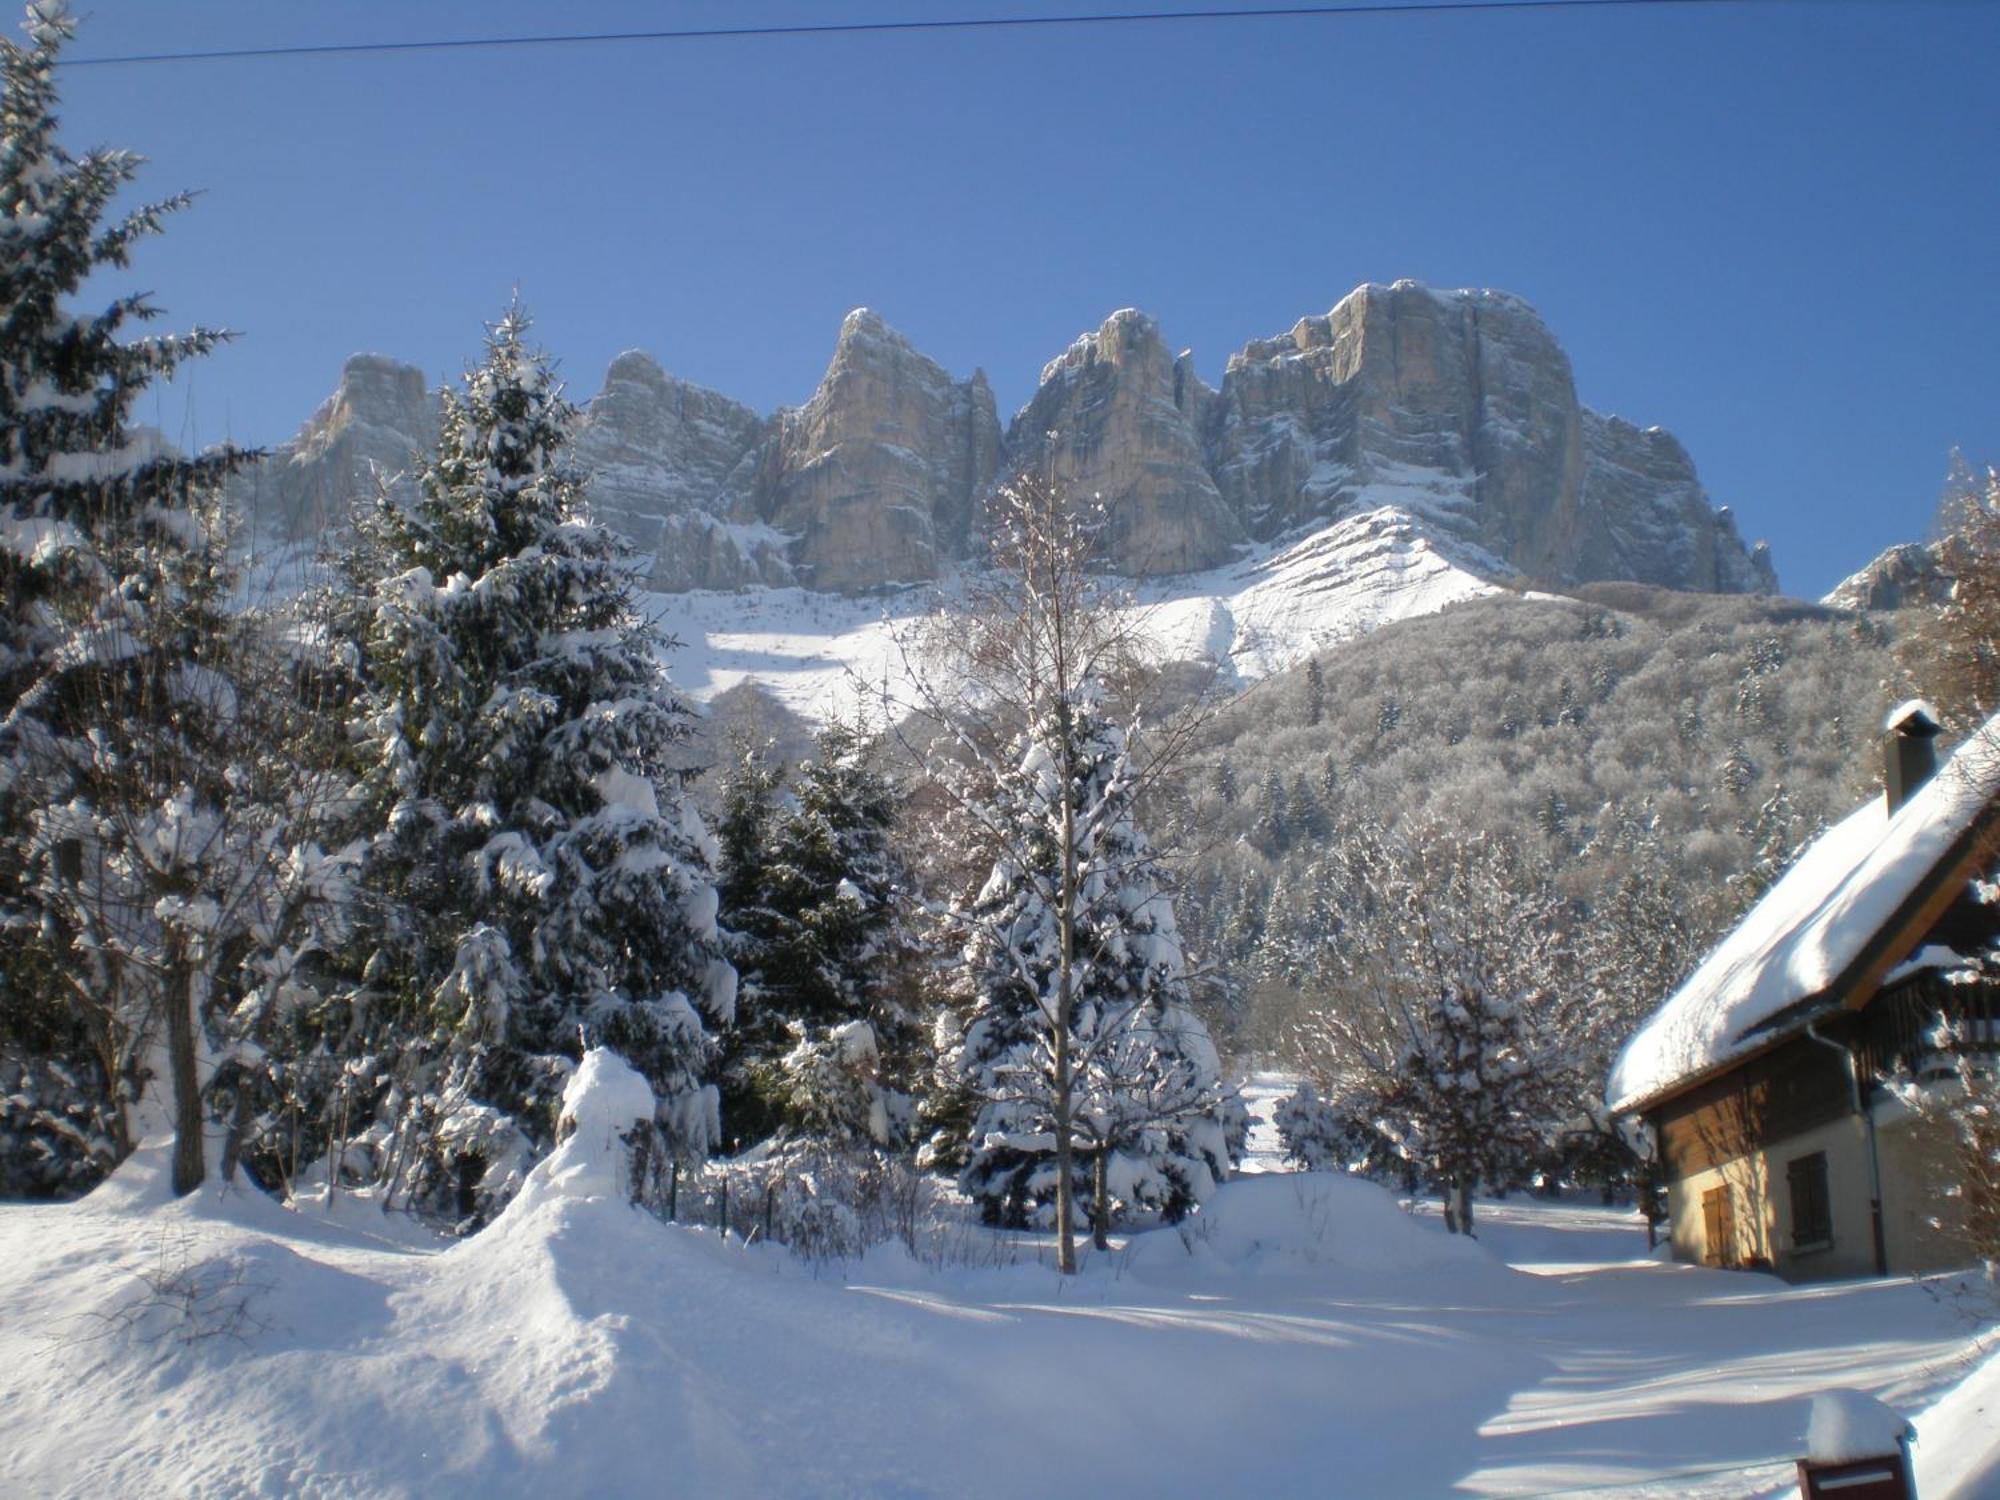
<point x="479" y="1070"/>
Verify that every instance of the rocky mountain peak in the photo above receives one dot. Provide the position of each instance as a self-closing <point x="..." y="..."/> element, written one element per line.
<point x="1125" y="417"/>
<point x="1450" y="417"/>
<point x="373" y="429"/>
<point x="1460" y="408"/>
<point x="876" y="477"/>
<point x="659" y="451"/>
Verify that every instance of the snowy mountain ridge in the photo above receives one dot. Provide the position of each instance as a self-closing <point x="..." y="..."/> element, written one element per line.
<point x="1463" y="400"/>
<point x="1259" y="615"/>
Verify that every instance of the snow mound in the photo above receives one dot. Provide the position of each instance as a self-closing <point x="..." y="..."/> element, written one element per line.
<point x="1287" y="1221"/>
<point x="1958" y="1457"/>
<point x="604" y="1099"/>
<point x="1847" y="1426"/>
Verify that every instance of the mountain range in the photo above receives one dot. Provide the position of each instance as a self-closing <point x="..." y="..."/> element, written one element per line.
<point x="1407" y="435"/>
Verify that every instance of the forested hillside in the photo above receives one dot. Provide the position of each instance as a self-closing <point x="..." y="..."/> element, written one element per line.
<point x="1654" y="757"/>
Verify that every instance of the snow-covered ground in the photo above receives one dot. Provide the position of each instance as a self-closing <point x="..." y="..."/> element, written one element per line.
<point x="1306" y="1336"/>
<point x="1253" y="617"/>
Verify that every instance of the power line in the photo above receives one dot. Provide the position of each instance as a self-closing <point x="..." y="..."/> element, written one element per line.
<point x="867" y="28"/>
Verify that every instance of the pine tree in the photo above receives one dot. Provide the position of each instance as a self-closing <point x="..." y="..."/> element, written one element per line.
<point x="821" y="946"/>
<point x="543" y="884"/>
<point x="751" y="922"/>
<point x="1273" y="828"/>
<point x="142" y="856"/>
<point x="1738" y="770"/>
<point x="1145" y="1094"/>
<point x="1315" y="693"/>
<point x="1308" y="816"/>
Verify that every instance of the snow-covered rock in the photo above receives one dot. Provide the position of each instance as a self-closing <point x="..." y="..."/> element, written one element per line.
<point x="1901" y="577"/>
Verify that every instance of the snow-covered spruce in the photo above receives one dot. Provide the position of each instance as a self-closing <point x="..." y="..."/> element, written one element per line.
<point x="157" y="879"/>
<point x="540" y="881"/>
<point x="1145" y="1098"/>
<point x="825" y="1034"/>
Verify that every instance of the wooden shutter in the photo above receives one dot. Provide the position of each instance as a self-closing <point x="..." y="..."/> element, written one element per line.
<point x="1812" y="1206"/>
<point x="1718" y="1221"/>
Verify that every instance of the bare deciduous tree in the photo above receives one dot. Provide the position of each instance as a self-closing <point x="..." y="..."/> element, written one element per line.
<point x="1018" y="664"/>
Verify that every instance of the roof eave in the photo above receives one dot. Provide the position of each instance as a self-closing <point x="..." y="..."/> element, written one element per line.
<point x="1860" y="981"/>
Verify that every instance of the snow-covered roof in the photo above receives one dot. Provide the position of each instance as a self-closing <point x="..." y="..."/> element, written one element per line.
<point x="1810" y="927"/>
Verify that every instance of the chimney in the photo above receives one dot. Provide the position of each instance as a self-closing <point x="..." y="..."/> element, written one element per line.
<point x="1909" y="752"/>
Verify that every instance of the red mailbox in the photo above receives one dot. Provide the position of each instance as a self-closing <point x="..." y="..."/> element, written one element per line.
<point x="1884" y="1478"/>
<point x="1856" y="1449"/>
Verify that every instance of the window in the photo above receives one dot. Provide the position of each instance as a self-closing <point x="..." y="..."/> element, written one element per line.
<point x="1718" y="1223"/>
<point x="1812" y="1209"/>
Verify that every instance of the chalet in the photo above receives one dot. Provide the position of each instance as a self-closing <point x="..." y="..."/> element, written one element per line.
<point x="1762" y="1075"/>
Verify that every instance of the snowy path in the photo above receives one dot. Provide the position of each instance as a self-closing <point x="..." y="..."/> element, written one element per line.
<point x="581" y="1349"/>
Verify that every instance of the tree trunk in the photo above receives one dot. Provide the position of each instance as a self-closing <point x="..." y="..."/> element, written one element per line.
<point x="190" y="1159"/>
<point x="239" y="1127"/>
<point x="1065" y="1147"/>
<point x="1462" y="1191"/>
<point x="1100" y="1199"/>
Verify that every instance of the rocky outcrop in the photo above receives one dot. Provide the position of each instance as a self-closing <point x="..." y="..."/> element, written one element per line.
<point x="371" y="432"/>
<point x="1455" y="410"/>
<point x="1911" y="575"/>
<point x="1644" y="516"/>
<point x="876" y="477"/>
<point x="657" y="447"/>
<point x="661" y="454"/>
<point x="1125" y="416"/>
<point x="1460" y="408"/>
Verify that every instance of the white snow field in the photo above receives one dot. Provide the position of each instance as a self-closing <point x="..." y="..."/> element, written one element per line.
<point x="1303" y="1336"/>
<point x="1261" y="614"/>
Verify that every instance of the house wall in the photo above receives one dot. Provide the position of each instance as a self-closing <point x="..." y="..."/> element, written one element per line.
<point x="1913" y="1160"/>
<point x="1916" y="1158"/>
<point x="1763" y="1208"/>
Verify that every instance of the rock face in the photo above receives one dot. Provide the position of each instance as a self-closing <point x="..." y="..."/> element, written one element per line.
<point x="372" y="430"/>
<point x="1125" y="417"/>
<point x="1460" y="408"/>
<point x="877" y="476"/>
<point x="1907" y="576"/>
<point x="661" y="454"/>
<point x="1453" y="412"/>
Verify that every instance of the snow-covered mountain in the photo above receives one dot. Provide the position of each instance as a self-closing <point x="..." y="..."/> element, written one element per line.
<point x="1407" y="449"/>
<point x="1262" y="614"/>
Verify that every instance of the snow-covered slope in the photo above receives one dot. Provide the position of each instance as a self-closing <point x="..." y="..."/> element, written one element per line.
<point x="1251" y="618"/>
<point x="1316" y="1341"/>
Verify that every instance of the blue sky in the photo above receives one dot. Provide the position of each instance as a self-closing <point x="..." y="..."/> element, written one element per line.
<point x="1768" y="227"/>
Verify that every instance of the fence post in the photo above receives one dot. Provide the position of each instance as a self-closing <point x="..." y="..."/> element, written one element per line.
<point x="673" y="1190"/>
<point x="770" y="1189"/>
<point x="723" y="1215"/>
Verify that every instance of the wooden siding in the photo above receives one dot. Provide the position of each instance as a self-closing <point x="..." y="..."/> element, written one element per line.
<point x="1790" y="1089"/>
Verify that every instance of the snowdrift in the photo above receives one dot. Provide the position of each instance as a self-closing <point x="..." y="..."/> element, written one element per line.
<point x="1299" y="1327"/>
<point x="1290" y="1222"/>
